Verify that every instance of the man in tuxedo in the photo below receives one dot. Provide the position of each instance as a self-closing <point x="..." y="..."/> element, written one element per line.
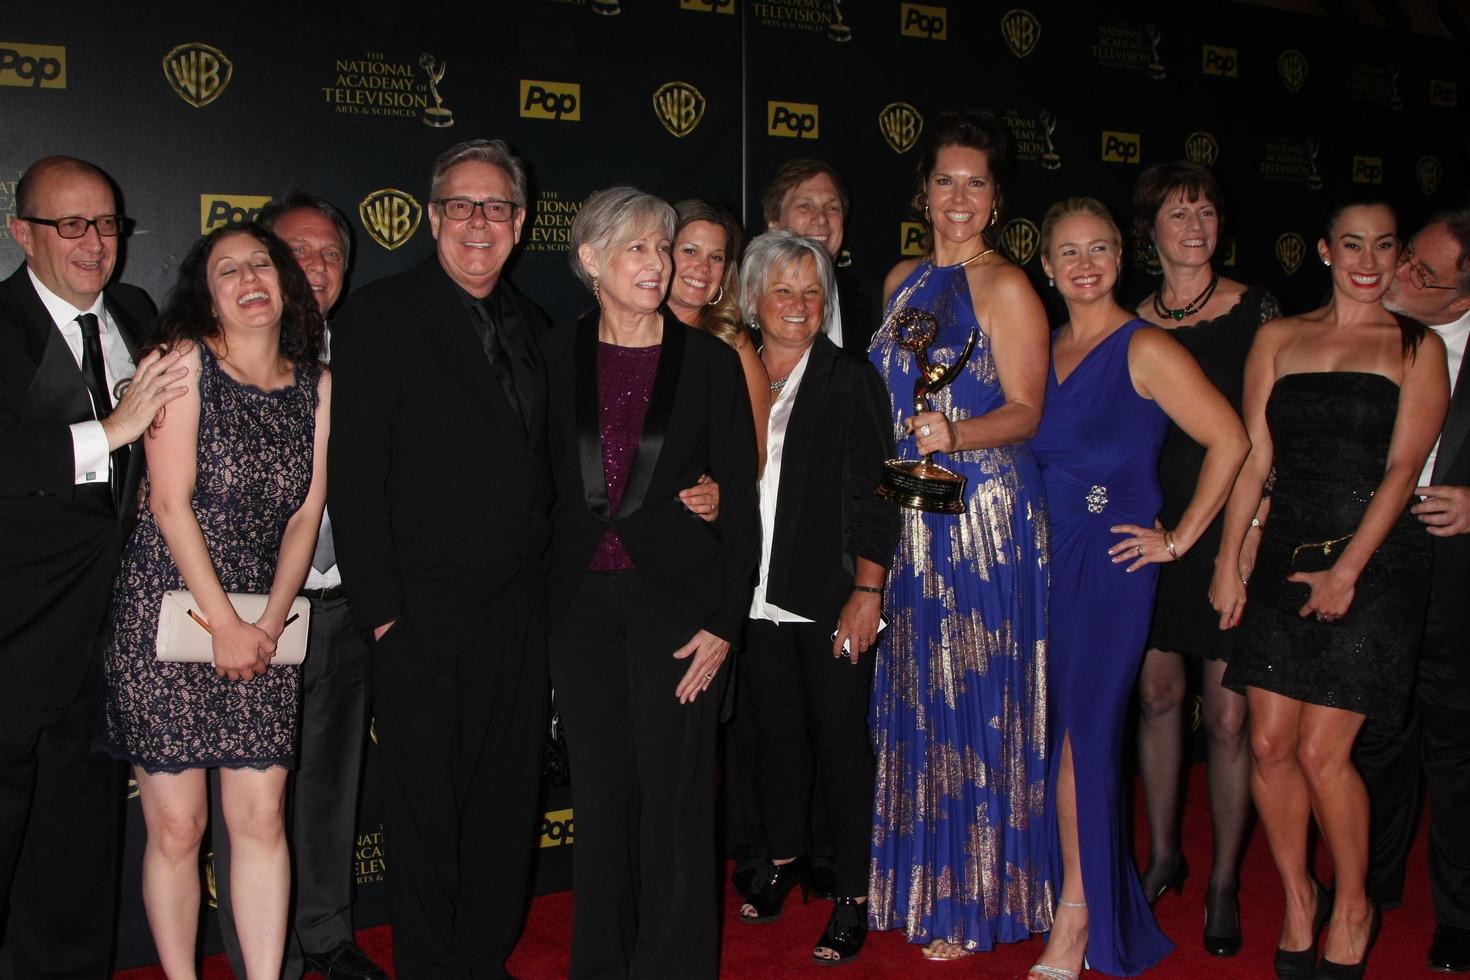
<point x="322" y="817"/>
<point x="439" y="492"/>
<point x="810" y="198"/>
<point x="1432" y="285"/>
<point x="68" y="482"/>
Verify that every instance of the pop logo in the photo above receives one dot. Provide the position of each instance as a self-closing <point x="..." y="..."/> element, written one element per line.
<point x="1220" y="61"/>
<point x="197" y="72"/>
<point x="32" y="65"/>
<point x="679" y="106"/>
<point x="1367" y="170"/>
<point x="557" y="828"/>
<point x="919" y="20"/>
<point x="1121" y="147"/>
<point x="561" y="101"/>
<point x="911" y="239"/>
<point x="795" y="120"/>
<point x="708" y="6"/>
<point x="390" y="216"/>
<point x="1443" y="94"/>
<point x="222" y="209"/>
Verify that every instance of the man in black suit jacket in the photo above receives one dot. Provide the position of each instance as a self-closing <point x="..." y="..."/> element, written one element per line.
<point x="67" y="342"/>
<point x="439" y="495"/>
<point x="1432" y="284"/>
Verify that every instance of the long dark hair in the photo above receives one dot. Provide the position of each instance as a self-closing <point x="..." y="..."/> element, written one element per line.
<point x="188" y="313"/>
<point x="1410" y="330"/>
<point x="975" y="129"/>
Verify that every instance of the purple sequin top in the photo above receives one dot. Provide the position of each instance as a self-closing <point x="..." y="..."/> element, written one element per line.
<point x="624" y="383"/>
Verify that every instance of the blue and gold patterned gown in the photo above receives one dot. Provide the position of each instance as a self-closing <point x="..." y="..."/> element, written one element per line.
<point x="961" y="815"/>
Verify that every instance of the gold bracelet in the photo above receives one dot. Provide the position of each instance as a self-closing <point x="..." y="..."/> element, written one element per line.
<point x="1169" y="543"/>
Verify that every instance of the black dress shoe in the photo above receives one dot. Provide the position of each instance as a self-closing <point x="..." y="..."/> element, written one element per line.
<point x="824" y="882"/>
<point x="1450" y="952"/>
<point x="1222" y="923"/>
<point x="345" y="961"/>
<point x="768" y="891"/>
<point x="1302" y="963"/>
<point x="1328" y="970"/>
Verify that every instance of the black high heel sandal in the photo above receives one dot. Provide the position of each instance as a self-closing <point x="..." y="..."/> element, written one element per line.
<point x="1301" y="964"/>
<point x="769" y="887"/>
<point x="1328" y="970"/>
<point x="1174" y="880"/>
<point x="1225" y="943"/>
<point x="846" y="931"/>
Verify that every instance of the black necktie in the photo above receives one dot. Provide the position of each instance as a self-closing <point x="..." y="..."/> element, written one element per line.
<point x="94" y="373"/>
<point x="487" y="328"/>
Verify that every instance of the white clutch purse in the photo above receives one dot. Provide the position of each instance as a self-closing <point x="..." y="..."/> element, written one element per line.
<point x="184" y="637"/>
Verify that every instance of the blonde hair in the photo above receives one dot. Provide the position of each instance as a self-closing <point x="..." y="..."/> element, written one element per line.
<point x="1071" y="207"/>
<point x="722" y="317"/>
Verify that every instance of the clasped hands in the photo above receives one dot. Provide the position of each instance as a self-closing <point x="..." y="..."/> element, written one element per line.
<point x="242" y="650"/>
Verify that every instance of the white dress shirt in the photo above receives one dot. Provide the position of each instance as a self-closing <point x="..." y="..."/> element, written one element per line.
<point x="1454" y="335"/>
<point x="91" y="458"/>
<point x="770" y="486"/>
<point x="834" y="327"/>
<point x="331" y="578"/>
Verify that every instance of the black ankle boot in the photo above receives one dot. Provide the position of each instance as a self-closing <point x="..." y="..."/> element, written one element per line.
<point x="846" y="930"/>
<point x="769" y="887"/>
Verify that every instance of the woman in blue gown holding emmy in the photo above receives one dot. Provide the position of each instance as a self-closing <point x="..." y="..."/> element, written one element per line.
<point x="1116" y="384"/>
<point x="960" y="840"/>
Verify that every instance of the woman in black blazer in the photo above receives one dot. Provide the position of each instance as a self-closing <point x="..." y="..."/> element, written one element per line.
<point x="645" y="597"/>
<point x="826" y="543"/>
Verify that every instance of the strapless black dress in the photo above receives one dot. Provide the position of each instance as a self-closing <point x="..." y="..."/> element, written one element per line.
<point x="1331" y="433"/>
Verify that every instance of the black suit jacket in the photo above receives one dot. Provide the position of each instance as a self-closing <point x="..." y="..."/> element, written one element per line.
<point x="59" y="543"/>
<point x="827" y="514"/>
<point x="1450" y="586"/>
<point x="858" y="317"/>
<point x="438" y="491"/>
<point x="698" y="421"/>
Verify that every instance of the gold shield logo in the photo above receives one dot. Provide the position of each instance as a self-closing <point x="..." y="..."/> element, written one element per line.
<point x="1429" y="172"/>
<point x="901" y="125"/>
<point x="679" y="106"/>
<point x="197" y="72"/>
<point x="390" y="216"/>
<point x="1021" y="30"/>
<point x="1290" y="249"/>
<point x="1292" y="67"/>
<point x="1019" y="239"/>
<point x="1202" y="149"/>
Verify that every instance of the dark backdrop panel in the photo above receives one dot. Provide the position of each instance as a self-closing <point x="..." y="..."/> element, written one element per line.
<point x="679" y="96"/>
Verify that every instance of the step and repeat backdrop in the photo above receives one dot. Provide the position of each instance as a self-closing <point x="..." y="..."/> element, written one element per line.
<point x="204" y="114"/>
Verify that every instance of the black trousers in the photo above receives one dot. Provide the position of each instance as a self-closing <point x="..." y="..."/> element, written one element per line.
<point x="322" y="795"/>
<point x="1436" y="737"/>
<point x="60" y="806"/>
<point x="644" y="876"/>
<point x="811" y="713"/>
<point x="460" y="729"/>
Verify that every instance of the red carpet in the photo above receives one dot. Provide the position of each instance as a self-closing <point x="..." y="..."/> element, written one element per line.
<point x="782" y="949"/>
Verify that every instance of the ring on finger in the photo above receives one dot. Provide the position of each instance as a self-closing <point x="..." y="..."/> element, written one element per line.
<point x="1138" y="550"/>
<point x="924" y="430"/>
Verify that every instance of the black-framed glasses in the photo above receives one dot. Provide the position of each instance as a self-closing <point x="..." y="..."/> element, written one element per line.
<point x="1418" y="275"/>
<point x="461" y="208"/>
<point x="75" y="226"/>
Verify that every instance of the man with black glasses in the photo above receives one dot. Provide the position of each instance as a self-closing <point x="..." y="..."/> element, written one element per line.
<point x="68" y="483"/>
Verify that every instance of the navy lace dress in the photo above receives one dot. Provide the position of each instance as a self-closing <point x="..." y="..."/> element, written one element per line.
<point x="254" y="469"/>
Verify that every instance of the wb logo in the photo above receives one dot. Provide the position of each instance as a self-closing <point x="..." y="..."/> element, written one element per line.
<point x="912" y="239"/>
<point x="679" y="106"/>
<point x="708" y="6"/>
<point x="1290" y="250"/>
<point x="551" y="100"/>
<point x="1367" y="170"/>
<point x="1443" y="94"/>
<point x="1292" y="66"/>
<point x="198" y="73"/>
<point x="390" y="216"/>
<point x="797" y="120"/>
<point x="1220" y="61"/>
<point x="1021" y="31"/>
<point x="1429" y="171"/>
<point x="557" y="828"/>
<point x="32" y="65"/>
<point x="1120" y="147"/>
<point x="1019" y="239"/>
<point x="222" y="209"/>
<point x="1202" y="149"/>
<point x="918" y="20"/>
<point x="901" y="125"/>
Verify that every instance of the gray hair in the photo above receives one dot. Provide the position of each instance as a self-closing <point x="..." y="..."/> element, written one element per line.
<point x="613" y="216"/>
<point x="775" y="251"/>
<point x="1458" y="224"/>
<point x="494" y="152"/>
<point x="307" y="201"/>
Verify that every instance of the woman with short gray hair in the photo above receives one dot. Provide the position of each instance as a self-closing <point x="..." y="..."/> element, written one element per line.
<point x="646" y="599"/>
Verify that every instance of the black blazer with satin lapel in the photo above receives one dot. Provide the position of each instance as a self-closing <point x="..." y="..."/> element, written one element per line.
<point x="698" y="421"/>
<point x="59" y="543"/>
<point x="438" y="491"/>
<point x="827" y="514"/>
<point x="1451" y="577"/>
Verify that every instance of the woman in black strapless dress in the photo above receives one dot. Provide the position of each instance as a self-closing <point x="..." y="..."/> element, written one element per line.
<point x="1345" y="402"/>
<point x="1177" y="207"/>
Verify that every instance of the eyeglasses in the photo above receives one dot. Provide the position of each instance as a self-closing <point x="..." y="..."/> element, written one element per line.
<point x="1420" y="276"/>
<point x="461" y="208"/>
<point x="75" y="226"/>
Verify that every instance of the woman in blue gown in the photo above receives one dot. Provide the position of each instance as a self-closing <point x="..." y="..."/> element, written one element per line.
<point x="1116" y="384"/>
<point x="960" y="848"/>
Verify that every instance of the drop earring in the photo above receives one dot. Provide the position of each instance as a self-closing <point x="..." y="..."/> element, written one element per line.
<point x="596" y="293"/>
<point x="1051" y="282"/>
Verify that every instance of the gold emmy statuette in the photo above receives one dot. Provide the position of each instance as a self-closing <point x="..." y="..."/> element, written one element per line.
<point x="435" y="115"/>
<point x="837" y="30"/>
<point x="920" y="484"/>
